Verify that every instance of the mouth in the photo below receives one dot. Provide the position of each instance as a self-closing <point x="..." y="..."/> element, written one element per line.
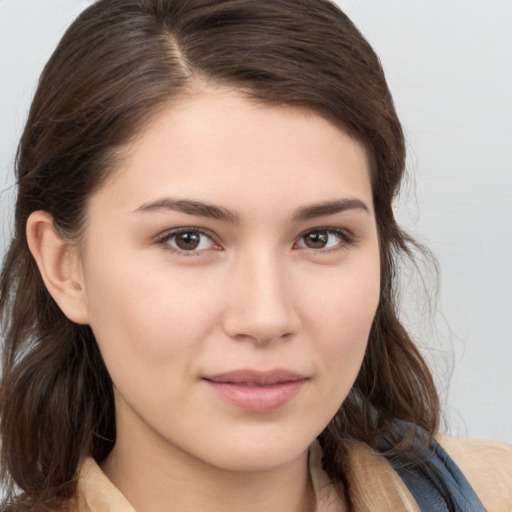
<point x="256" y="391"/>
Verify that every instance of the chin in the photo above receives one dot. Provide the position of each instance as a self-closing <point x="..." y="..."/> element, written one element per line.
<point x="254" y="462"/>
<point x="255" y="455"/>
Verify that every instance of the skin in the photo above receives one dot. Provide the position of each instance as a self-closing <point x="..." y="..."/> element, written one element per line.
<point x="253" y="295"/>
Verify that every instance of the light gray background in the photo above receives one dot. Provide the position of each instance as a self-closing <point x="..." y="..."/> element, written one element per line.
<point x="449" y="66"/>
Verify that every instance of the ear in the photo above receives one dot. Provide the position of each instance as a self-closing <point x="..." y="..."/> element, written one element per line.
<point x="59" y="265"/>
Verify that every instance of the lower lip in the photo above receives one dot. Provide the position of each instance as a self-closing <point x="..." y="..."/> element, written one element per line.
<point x="257" y="398"/>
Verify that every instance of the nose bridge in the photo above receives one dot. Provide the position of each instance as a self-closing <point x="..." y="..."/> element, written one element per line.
<point x="262" y="302"/>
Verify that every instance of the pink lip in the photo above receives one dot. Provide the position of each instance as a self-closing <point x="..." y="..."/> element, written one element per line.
<point x="257" y="391"/>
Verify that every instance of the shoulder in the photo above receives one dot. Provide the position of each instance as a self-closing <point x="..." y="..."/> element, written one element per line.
<point x="487" y="465"/>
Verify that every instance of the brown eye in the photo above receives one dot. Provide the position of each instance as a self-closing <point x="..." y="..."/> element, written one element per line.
<point x="325" y="239"/>
<point x="316" y="239"/>
<point x="188" y="240"/>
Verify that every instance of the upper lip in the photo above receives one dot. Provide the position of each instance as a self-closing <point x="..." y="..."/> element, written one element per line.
<point x="255" y="377"/>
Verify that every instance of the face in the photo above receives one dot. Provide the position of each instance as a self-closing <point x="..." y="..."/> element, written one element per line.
<point x="231" y="273"/>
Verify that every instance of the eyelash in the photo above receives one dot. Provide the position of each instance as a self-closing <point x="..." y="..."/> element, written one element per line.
<point x="345" y="240"/>
<point x="165" y="238"/>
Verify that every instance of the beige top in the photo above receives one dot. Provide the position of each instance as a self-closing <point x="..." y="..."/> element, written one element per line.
<point x="373" y="485"/>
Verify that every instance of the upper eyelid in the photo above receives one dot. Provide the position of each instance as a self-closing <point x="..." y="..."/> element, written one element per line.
<point x="186" y="229"/>
<point x="330" y="229"/>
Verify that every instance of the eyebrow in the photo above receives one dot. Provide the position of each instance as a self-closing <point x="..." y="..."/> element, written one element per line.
<point x="200" y="209"/>
<point x="329" y="208"/>
<point x="189" y="207"/>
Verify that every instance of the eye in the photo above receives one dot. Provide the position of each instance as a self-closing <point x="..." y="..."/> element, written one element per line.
<point x="187" y="240"/>
<point x="321" y="239"/>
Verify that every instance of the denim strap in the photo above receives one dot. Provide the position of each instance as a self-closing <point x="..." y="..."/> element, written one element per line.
<point x="437" y="485"/>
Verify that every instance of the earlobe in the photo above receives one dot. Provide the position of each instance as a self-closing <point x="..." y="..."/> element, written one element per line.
<point x="59" y="265"/>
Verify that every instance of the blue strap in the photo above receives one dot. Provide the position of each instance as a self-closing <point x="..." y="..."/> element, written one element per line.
<point x="437" y="485"/>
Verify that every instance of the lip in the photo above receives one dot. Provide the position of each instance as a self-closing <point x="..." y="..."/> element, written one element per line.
<point x="257" y="391"/>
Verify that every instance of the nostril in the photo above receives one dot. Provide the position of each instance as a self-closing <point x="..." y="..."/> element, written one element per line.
<point x="250" y="327"/>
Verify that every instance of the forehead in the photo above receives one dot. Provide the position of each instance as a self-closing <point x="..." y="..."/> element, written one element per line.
<point x="217" y="145"/>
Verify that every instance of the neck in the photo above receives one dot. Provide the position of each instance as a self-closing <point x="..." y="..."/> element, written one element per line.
<point x="158" y="480"/>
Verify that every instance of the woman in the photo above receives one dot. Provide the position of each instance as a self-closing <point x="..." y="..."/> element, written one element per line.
<point x="199" y="297"/>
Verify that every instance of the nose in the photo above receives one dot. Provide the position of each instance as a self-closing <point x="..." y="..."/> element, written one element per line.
<point x="262" y="305"/>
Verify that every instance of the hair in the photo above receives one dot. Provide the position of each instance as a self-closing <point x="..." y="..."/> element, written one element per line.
<point x="118" y="63"/>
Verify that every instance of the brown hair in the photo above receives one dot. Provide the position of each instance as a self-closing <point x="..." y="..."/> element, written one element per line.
<point x="117" y="63"/>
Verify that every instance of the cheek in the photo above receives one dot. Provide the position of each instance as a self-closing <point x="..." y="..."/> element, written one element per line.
<point x="347" y="299"/>
<point x="145" y="317"/>
<point x="343" y="316"/>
